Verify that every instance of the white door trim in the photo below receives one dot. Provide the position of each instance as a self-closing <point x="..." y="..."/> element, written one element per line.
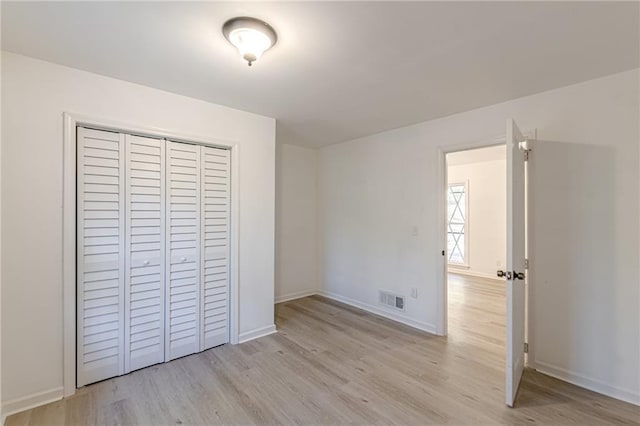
<point x="441" y="278"/>
<point x="71" y="121"/>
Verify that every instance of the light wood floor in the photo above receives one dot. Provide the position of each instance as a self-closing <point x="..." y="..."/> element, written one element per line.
<point x="333" y="364"/>
<point x="477" y="312"/>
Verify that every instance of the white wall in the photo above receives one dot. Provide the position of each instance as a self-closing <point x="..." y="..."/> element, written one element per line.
<point x="586" y="283"/>
<point x="296" y="222"/>
<point x="35" y="95"/>
<point x="487" y="220"/>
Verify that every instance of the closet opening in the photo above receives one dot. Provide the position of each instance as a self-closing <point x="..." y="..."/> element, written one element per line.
<point x="150" y="248"/>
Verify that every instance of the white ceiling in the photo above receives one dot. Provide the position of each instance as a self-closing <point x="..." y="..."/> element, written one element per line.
<point x="479" y="155"/>
<point x="340" y="70"/>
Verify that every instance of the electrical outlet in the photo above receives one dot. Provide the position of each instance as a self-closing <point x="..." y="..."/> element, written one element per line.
<point x="414" y="293"/>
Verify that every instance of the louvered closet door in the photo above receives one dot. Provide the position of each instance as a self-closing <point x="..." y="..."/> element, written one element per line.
<point x="215" y="247"/>
<point x="100" y="255"/>
<point x="183" y="250"/>
<point x="145" y="249"/>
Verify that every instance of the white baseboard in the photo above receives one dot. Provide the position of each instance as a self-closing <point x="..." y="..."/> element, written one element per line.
<point x="256" y="333"/>
<point x="295" y="295"/>
<point x="17" y="405"/>
<point x="474" y="274"/>
<point x="588" y="383"/>
<point x="422" y="326"/>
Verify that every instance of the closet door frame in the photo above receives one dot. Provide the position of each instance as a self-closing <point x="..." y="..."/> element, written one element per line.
<point x="69" y="232"/>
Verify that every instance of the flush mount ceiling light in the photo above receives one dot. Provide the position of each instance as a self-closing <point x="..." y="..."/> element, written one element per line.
<point x="250" y="36"/>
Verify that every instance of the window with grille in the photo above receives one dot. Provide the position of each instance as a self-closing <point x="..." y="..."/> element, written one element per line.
<point x="457" y="224"/>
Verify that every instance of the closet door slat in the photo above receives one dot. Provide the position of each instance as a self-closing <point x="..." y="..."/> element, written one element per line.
<point x="100" y="255"/>
<point x="145" y="253"/>
<point x="183" y="241"/>
<point x="215" y="246"/>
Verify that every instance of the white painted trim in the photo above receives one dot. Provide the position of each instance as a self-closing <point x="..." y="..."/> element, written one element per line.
<point x="69" y="256"/>
<point x="102" y="123"/>
<point x="589" y="383"/>
<point x="529" y="167"/>
<point x="70" y="122"/>
<point x="422" y="326"/>
<point x="475" y="274"/>
<point x="37" y="399"/>
<point x="458" y="265"/>
<point x="295" y="295"/>
<point x="442" y="270"/>
<point x="257" y="333"/>
<point x="234" y="250"/>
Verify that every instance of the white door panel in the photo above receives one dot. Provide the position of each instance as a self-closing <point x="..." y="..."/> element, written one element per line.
<point x="100" y="255"/>
<point x="183" y="250"/>
<point x="515" y="261"/>
<point x="215" y="247"/>
<point x="145" y="249"/>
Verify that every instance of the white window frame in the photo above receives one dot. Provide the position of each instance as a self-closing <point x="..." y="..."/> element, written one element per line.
<point x="466" y="263"/>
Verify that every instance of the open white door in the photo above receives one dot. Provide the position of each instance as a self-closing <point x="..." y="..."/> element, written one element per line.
<point x="515" y="278"/>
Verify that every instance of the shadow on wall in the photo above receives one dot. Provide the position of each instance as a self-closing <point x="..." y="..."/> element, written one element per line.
<point x="278" y="217"/>
<point x="574" y="211"/>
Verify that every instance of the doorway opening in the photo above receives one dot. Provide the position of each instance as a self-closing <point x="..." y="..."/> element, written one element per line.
<point x="455" y="215"/>
<point x="476" y="205"/>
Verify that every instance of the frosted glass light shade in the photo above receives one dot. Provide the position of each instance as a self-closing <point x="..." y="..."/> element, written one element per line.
<point x="252" y="37"/>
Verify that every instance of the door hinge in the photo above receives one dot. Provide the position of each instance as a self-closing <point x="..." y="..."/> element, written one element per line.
<point x="524" y="146"/>
<point x="526" y="348"/>
<point x="526" y="264"/>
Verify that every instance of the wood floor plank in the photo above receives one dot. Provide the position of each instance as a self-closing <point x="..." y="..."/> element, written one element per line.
<point x="334" y="364"/>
